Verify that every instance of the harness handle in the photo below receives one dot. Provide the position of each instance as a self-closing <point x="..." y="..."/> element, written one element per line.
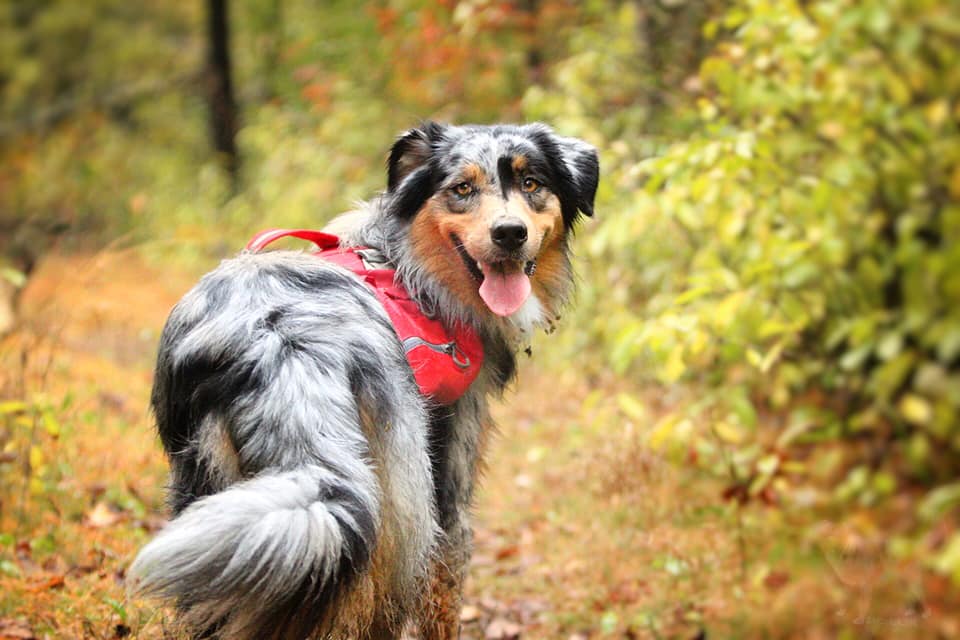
<point x="321" y="239"/>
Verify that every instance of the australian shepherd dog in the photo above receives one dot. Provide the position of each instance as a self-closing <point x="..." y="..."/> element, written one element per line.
<point x="315" y="491"/>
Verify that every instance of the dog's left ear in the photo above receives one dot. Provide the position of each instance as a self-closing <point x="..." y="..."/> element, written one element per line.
<point x="583" y="163"/>
<point x="576" y="168"/>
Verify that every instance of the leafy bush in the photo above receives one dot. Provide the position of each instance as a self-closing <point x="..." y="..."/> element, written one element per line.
<point x="797" y="257"/>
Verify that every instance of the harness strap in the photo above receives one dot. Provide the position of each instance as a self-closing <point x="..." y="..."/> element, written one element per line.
<point x="322" y="239"/>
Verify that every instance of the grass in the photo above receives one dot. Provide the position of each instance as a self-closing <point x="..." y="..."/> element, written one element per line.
<point x="583" y="530"/>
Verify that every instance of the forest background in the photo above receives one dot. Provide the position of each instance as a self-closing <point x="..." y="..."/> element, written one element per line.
<point x="765" y="346"/>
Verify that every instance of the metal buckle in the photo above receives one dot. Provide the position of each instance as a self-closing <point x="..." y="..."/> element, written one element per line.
<point x="459" y="358"/>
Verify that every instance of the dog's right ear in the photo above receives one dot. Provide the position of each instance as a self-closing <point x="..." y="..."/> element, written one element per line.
<point x="411" y="151"/>
<point x="411" y="177"/>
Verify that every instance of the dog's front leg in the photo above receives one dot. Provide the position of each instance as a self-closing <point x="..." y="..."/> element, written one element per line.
<point x="457" y="436"/>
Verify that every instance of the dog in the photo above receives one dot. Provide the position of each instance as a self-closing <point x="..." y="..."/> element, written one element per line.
<point x="316" y="490"/>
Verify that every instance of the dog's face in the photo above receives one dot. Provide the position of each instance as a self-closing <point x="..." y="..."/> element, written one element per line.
<point x="491" y="209"/>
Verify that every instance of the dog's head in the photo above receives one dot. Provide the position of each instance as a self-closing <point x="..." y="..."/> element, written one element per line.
<point x="491" y="208"/>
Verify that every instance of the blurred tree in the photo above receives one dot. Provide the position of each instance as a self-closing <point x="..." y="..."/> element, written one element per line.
<point x="223" y="104"/>
<point x="66" y="68"/>
<point x="267" y="17"/>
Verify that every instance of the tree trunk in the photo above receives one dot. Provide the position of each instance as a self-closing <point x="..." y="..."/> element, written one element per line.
<point x="534" y="53"/>
<point x="223" y="106"/>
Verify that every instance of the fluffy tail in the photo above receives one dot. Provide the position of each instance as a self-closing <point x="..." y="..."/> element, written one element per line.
<point x="265" y="558"/>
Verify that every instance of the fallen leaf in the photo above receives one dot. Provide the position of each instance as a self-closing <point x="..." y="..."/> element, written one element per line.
<point x="469" y="613"/>
<point x="15" y="630"/>
<point x="114" y="401"/>
<point x="776" y="579"/>
<point x="481" y="560"/>
<point x="54" y="565"/>
<point x="52" y="582"/>
<point x="502" y="629"/>
<point x="507" y="552"/>
<point x="102" y="516"/>
<point x="625" y="592"/>
<point x="523" y="481"/>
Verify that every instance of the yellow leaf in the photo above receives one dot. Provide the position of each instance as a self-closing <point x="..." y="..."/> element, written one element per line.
<point x="102" y="516"/>
<point x="793" y="466"/>
<point x="697" y="343"/>
<point x="727" y="309"/>
<point x="916" y="409"/>
<point x="937" y="112"/>
<point x="772" y="356"/>
<point x="631" y="407"/>
<point x="36" y="457"/>
<point x="708" y="110"/>
<point x="674" y="366"/>
<point x="831" y="130"/>
<point x="663" y="429"/>
<point x="12" y="406"/>
<point x="768" y="464"/>
<point x="954" y="186"/>
<point x="51" y="424"/>
<point x="728" y="432"/>
<point x="37" y="488"/>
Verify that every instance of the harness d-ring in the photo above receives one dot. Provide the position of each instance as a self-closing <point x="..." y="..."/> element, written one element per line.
<point x="459" y="358"/>
<point x="455" y="352"/>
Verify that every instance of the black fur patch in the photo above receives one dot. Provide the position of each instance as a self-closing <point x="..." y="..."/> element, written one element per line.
<point x="446" y="488"/>
<point x="412" y="150"/>
<point x="183" y="395"/>
<point x="414" y="192"/>
<point x="574" y="197"/>
<point x="505" y="174"/>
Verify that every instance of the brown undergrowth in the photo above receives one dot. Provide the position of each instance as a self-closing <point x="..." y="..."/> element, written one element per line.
<point x="583" y="530"/>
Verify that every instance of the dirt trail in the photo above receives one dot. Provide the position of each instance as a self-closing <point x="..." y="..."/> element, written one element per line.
<point x="582" y="532"/>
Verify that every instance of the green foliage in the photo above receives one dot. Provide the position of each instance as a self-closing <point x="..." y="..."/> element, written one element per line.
<point x="795" y="255"/>
<point x="29" y="431"/>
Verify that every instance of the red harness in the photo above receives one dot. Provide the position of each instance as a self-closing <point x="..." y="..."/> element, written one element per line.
<point x="444" y="363"/>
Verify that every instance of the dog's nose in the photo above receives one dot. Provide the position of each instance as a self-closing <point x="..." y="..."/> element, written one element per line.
<point x="508" y="234"/>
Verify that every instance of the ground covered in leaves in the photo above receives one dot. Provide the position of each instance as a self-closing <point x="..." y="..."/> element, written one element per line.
<point x="582" y="530"/>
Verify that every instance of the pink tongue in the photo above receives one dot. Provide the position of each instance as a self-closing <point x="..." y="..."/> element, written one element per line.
<point x="504" y="293"/>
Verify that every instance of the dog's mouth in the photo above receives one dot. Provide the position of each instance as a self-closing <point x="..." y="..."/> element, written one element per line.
<point x="504" y="284"/>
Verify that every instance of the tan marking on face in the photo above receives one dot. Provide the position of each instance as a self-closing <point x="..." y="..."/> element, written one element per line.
<point x="474" y="174"/>
<point x="552" y="278"/>
<point x="519" y="164"/>
<point x="430" y="241"/>
<point x="433" y="226"/>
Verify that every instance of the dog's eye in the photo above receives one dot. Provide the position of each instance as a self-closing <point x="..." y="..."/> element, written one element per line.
<point x="463" y="189"/>
<point x="530" y="185"/>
